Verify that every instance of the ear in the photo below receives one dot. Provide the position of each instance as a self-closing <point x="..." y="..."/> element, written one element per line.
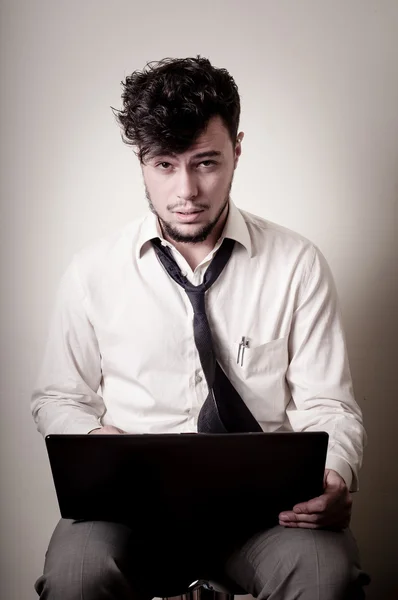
<point x="238" y="148"/>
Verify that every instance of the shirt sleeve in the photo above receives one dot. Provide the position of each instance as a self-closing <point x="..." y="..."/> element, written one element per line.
<point x="319" y="375"/>
<point x="65" y="398"/>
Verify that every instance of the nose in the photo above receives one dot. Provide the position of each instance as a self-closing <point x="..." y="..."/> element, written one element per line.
<point x="187" y="185"/>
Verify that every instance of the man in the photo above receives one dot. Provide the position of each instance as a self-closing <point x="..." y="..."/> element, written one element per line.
<point x="123" y="355"/>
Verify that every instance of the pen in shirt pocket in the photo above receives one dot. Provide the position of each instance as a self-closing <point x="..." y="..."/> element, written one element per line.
<point x="243" y="344"/>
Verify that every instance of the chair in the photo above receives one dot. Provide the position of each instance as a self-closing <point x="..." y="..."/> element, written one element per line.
<point x="210" y="590"/>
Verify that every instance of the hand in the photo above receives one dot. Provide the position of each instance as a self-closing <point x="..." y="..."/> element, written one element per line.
<point x="106" y="429"/>
<point x="331" y="510"/>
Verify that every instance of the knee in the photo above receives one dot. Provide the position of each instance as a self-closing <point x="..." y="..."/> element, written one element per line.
<point x="320" y="554"/>
<point x="314" y="564"/>
<point x="70" y="579"/>
<point x="328" y="571"/>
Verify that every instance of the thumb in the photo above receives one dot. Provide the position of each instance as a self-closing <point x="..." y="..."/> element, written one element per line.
<point x="314" y="505"/>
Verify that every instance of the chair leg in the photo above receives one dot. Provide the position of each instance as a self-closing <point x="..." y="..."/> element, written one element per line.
<point x="202" y="593"/>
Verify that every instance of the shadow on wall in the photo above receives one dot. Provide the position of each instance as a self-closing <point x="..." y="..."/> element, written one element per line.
<point x="372" y="335"/>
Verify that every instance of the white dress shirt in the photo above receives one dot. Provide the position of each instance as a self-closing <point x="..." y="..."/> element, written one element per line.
<point x="121" y="349"/>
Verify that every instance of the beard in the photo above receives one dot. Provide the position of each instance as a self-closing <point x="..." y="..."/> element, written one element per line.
<point x="196" y="238"/>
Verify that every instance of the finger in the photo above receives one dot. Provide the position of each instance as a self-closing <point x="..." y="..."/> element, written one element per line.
<point x="315" y="505"/>
<point x="286" y="515"/>
<point x="295" y="525"/>
<point x="324" y="521"/>
<point x="301" y="518"/>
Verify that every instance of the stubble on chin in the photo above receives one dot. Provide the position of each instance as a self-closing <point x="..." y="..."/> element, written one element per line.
<point x="175" y="234"/>
<point x="200" y="236"/>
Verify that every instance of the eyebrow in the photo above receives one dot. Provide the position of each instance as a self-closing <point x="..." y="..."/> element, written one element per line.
<point x="210" y="153"/>
<point x="207" y="154"/>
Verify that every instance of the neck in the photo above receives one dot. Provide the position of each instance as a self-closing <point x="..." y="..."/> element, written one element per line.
<point x="195" y="253"/>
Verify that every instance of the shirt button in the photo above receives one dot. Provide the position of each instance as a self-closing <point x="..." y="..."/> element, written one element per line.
<point x="198" y="378"/>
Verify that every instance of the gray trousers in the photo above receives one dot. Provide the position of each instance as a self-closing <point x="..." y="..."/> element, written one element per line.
<point x="101" y="560"/>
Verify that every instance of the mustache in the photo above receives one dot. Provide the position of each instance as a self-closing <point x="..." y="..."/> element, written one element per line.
<point x="193" y="206"/>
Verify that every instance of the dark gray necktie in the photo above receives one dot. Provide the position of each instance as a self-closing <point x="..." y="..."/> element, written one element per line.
<point x="223" y="410"/>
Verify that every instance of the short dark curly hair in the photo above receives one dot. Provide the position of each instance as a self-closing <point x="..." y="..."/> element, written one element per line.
<point x="168" y="104"/>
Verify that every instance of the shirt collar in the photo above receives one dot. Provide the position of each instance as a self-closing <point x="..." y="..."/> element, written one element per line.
<point x="235" y="228"/>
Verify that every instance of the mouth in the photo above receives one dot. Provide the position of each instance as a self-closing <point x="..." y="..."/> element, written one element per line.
<point x="189" y="216"/>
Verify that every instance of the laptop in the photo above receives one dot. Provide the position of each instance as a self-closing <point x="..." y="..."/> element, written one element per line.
<point x="186" y="482"/>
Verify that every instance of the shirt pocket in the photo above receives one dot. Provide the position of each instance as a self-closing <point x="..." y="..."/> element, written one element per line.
<point x="267" y="358"/>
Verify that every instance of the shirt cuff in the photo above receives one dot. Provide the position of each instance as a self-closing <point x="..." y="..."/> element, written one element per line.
<point x="342" y="467"/>
<point x="80" y="426"/>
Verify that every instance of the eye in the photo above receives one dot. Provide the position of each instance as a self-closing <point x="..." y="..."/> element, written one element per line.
<point x="208" y="163"/>
<point x="164" y="166"/>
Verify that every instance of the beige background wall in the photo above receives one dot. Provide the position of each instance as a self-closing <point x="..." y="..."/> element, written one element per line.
<point x="319" y="87"/>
